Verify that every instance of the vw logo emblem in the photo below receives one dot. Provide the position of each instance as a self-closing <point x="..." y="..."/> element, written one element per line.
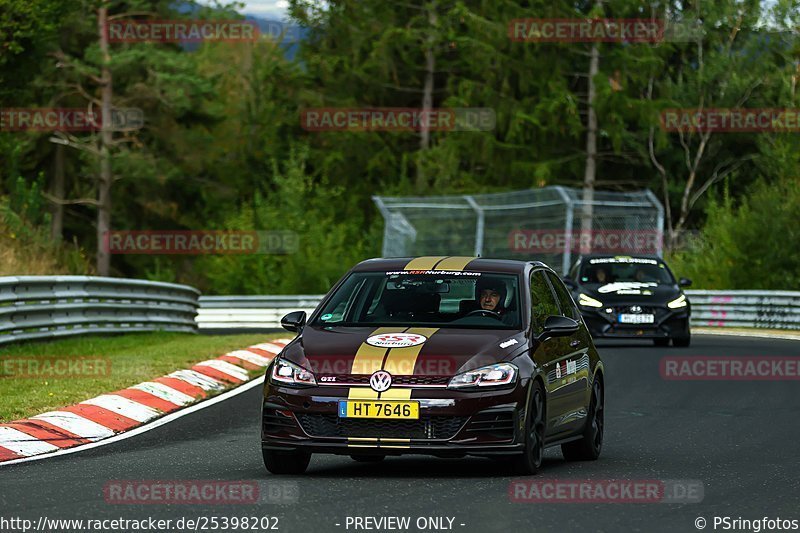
<point x="380" y="381"/>
<point x="636" y="309"/>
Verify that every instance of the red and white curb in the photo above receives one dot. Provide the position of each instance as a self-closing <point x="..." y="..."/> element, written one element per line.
<point x="117" y="412"/>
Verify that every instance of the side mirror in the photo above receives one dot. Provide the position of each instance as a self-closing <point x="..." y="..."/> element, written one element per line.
<point x="558" y="326"/>
<point x="569" y="282"/>
<point x="294" y="321"/>
<point x="685" y="282"/>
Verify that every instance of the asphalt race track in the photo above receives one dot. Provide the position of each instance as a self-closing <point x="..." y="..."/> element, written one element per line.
<point x="739" y="438"/>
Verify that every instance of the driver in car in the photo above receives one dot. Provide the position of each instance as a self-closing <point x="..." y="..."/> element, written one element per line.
<point x="489" y="296"/>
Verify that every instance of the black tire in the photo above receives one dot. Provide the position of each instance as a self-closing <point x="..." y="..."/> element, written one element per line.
<point x="590" y="445"/>
<point x="530" y="460"/>
<point x="286" y="462"/>
<point x="682" y="342"/>
<point x="367" y="458"/>
<point x="661" y="342"/>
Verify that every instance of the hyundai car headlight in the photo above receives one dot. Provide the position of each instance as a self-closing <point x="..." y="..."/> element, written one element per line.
<point x="287" y="373"/>
<point x="678" y="302"/>
<point x="487" y="376"/>
<point x="588" y="301"/>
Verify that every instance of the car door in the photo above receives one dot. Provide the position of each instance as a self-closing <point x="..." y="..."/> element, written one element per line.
<point x="549" y="353"/>
<point x="575" y="362"/>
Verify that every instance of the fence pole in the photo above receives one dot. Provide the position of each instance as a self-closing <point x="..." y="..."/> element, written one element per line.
<point x="479" y="226"/>
<point x="569" y="208"/>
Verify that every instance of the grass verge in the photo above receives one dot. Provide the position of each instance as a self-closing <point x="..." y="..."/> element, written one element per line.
<point x="29" y="382"/>
<point x="755" y="332"/>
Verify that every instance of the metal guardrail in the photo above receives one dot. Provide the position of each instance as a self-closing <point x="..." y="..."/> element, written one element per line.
<point x="251" y="312"/>
<point x="746" y="309"/>
<point x="753" y="309"/>
<point x="42" y="307"/>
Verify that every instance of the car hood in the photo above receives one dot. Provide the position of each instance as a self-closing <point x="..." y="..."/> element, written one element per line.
<point x="436" y="352"/>
<point x="631" y="292"/>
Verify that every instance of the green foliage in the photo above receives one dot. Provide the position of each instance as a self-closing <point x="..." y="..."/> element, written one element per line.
<point x="27" y="30"/>
<point x="223" y="147"/>
<point x="26" y="248"/>
<point x="328" y="243"/>
<point x="752" y="245"/>
<point x="27" y="201"/>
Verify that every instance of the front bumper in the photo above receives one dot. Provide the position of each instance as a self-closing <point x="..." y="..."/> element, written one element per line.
<point x="669" y="323"/>
<point x="450" y="424"/>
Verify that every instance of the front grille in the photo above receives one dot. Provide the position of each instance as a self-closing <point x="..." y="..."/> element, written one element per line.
<point x="363" y="379"/>
<point x="626" y="309"/>
<point x="498" y="424"/>
<point x="633" y="330"/>
<point x="427" y="427"/>
<point x="421" y="380"/>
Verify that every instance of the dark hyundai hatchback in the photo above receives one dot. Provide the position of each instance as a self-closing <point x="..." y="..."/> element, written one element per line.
<point x="631" y="297"/>
<point x="445" y="356"/>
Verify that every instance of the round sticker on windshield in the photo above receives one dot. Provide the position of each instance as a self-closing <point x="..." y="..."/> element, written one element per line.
<point x="396" y="340"/>
<point x="327" y="316"/>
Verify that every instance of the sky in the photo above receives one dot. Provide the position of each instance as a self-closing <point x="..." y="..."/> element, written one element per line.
<point x="271" y="9"/>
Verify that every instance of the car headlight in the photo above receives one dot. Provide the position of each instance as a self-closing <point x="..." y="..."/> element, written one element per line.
<point x="487" y="376"/>
<point x="678" y="302"/>
<point x="287" y="373"/>
<point x="588" y="301"/>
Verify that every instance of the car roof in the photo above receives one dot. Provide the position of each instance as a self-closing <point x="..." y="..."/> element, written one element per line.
<point x="443" y="262"/>
<point x="635" y="256"/>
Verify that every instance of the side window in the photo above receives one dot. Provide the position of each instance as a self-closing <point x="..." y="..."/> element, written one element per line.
<point x="568" y="308"/>
<point x="543" y="303"/>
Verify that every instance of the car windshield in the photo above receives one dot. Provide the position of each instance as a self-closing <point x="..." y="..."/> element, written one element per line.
<point x="608" y="270"/>
<point x="434" y="299"/>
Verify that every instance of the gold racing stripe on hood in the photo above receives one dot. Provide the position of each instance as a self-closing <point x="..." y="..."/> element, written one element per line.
<point x="454" y="263"/>
<point x="424" y="263"/>
<point x="368" y="360"/>
<point x="401" y="361"/>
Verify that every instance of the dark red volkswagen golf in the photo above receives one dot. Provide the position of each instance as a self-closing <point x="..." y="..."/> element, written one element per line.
<point x="445" y="356"/>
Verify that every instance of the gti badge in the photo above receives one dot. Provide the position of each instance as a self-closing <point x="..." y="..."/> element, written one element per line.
<point x="380" y="381"/>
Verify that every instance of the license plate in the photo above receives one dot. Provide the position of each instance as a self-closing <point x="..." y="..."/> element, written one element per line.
<point x="378" y="409"/>
<point x="637" y="319"/>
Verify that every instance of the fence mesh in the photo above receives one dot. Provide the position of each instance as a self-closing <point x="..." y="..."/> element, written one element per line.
<point x="552" y="224"/>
